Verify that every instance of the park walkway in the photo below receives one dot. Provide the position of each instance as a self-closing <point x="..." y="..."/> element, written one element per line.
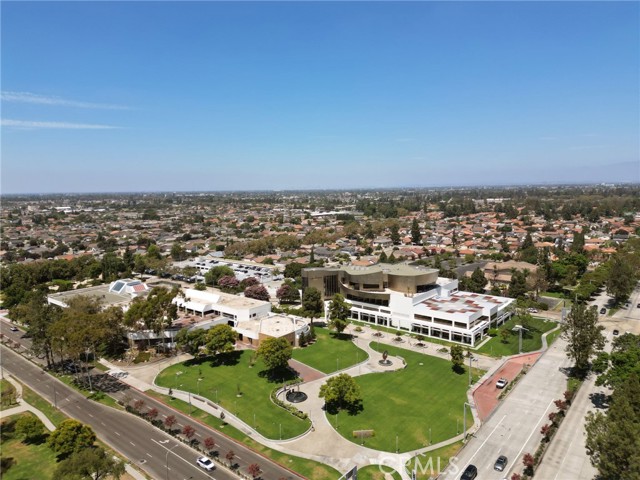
<point x="322" y="442"/>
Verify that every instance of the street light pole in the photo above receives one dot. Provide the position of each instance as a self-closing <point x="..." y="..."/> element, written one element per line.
<point x="464" y="427"/>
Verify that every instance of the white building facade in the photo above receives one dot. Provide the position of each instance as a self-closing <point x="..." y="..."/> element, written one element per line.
<point x="412" y="299"/>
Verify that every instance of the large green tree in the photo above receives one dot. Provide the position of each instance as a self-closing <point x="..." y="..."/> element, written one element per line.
<point x="416" y="237"/>
<point x="339" y="313"/>
<point x="312" y="300"/>
<point x="275" y="352"/>
<point x="457" y="358"/>
<point x="91" y="464"/>
<point x="624" y="360"/>
<point x="191" y="340"/>
<point x="583" y="334"/>
<point x="213" y="275"/>
<point x="341" y="393"/>
<point x="613" y="439"/>
<point x="71" y="436"/>
<point x="621" y="279"/>
<point x="518" y="284"/>
<point x="30" y="427"/>
<point x="221" y="339"/>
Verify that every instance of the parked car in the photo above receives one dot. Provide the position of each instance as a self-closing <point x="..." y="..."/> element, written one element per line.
<point x="501" y="462"/>
<point x="469" y="473"/>
<point x="13" y="328"/>
<point x="502" y="382"/>
<point x="206" y="463"/>
<point x="616" y="332"/>
<point x="603" y="311"/>
<point x="532" y="310"/>
<point x="639" y="305"/>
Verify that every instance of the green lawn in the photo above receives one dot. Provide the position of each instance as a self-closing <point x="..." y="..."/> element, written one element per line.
<point x="377" y="472"/>
<point x="409" y="403"/>
<point x="35" y="400"/>
<point x="553" y="336"/>
<point x="8" y="394"/>
<point x="28" y="461"/>
<point x="331" y="351"/>
<point x="226" y="375"/>
<point x="432" y="463"/>
<point x="531" y="340"/>
<point x="307" y="468"/>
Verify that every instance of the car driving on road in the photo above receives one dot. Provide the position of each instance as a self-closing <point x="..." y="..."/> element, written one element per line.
<point x="469" y="473"/>
<point x="501" y="462"/>
<point x="205" y="463"/>
<point x="603" y="311"/>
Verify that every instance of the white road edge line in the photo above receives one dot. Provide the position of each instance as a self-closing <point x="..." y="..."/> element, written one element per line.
<point x="535" y="429"/>
<point x="488" y="437"/>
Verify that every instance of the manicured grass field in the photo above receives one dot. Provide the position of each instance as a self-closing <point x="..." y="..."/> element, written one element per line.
<point x="8" y="395"/>
<point x="30" y="461"/>
<point x="531" y="340"/>
<point x="553" y="336"/>
<point x="426" y="395"/>
<point x="307" y="468"/>
<point x="35" y="400"/>
<point x="431" y="464"/>
<point x="331" y="352"/>
<point x="227" y="376"/>
<point x="376" y="472"/>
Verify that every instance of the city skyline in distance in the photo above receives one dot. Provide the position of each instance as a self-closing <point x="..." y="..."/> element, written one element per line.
<point x="215" y="96"/>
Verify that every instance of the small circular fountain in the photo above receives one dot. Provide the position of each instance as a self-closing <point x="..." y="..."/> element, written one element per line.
<point x="296" y="396"/>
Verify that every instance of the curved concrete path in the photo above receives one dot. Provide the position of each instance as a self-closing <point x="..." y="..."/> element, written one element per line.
<point x="322" y="442"/>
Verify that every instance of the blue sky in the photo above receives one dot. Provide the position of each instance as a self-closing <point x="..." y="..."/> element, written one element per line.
<point x="146" y="96"/>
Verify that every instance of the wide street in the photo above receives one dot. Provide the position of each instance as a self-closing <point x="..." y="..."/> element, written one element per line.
<point x="514" y="427"/>
<point x="144" y="445"/>
<point x="567" y="456"/>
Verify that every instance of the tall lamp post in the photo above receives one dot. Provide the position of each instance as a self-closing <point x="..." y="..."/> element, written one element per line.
<point x="520" y="328"/>
<point x="464" y="411"/>
<point x="471" y="358"/>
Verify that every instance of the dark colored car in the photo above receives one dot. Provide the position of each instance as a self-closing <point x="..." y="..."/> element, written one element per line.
<point x="603" y="311"/>
<point x="616" y="332"/>
<point x="501" y="462"/>
<point x="469" y="473"/>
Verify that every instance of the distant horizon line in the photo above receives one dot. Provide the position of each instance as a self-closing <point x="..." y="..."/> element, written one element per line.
<point x="342" y="189"/>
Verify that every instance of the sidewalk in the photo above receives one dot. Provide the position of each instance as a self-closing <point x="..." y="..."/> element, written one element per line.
<point x="23" y="406"/>
<point x="322" y="442"/>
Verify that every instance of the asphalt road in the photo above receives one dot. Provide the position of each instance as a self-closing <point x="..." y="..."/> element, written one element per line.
<point x="567" y="456"/>
<point x="514" y="427"/>
<point x="136" y="439"/>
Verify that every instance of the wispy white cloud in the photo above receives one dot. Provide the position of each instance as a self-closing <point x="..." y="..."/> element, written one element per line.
<point x="60" y="125"/>
<point x="34" y="98"/>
